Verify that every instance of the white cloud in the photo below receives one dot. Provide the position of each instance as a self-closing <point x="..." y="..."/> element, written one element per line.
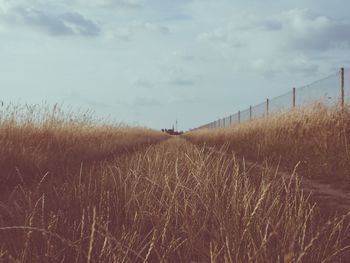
<point x="177" y="76"/>
<point x="136" y="28"/>
<point x="291" y="40"/>
<point x="67" y="23"/>
<point x="297" y="28"/>
<point x="218" y="34"/>
<point x="314" y="32"/>
<point x="111" y="3"/>
<point x="147" y="26"/>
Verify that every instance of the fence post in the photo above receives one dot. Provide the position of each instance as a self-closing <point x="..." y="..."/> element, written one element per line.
<point x="250" y="112"/>
<point x="293" y="98"/>
<point x="239" y="116"/>
<point x="224" y="122"/>
<point x="230" y="120"/>
<point x="342" y="89"/>
<point x="267" y="107"/>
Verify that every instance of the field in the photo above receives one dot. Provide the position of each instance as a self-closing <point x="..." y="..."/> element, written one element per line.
<point x="316" y="138"/>
<point x="74" y="190"/>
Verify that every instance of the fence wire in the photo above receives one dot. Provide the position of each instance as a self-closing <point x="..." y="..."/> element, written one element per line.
<point x="245" y="115"/>
<point x="326" y="91"/>
<point x="282" y="103"/>
<point x="259" y="111"/>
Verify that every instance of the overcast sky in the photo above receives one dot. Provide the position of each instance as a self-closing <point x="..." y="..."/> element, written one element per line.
<point x="152" y="62"/>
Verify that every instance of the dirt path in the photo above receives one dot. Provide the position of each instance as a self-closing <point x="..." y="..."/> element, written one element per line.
<point x="327" y="196"/>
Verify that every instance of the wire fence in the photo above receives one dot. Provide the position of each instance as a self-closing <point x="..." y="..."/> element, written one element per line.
<point x="330" y="91"/>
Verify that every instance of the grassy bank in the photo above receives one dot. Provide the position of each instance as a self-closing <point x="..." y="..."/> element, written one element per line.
<point x="317" y="137"/>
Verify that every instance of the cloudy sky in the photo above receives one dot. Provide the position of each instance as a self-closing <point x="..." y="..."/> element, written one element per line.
<point x="150" y="62"/>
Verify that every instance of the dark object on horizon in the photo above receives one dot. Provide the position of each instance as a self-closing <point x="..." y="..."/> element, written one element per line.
<point x="172" y="131"/>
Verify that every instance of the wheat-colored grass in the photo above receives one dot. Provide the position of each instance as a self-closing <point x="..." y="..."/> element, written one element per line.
<point x="165" y="202"/>
<point x="36" y="140"/>
<point x="316" y="136"/>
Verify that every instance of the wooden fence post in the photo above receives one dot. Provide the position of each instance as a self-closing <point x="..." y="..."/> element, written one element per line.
<point x="250" y="112"/>
<point x="239" y="116"/>
<point x="342" y="89"/>
<point x="293" y="98"/>
<point x="267" y="107"/>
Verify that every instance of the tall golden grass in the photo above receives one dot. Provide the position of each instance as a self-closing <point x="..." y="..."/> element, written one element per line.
<point x="167" y="202"/>
<point x="39" y="139"/>
<point x="316" y="136"/>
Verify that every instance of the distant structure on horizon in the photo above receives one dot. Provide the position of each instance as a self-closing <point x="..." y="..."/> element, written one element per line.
<point x="172" y="131"/>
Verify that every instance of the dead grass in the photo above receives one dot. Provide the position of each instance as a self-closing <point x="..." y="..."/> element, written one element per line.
<point x="168" y="202"/>
<point x="317" y="137"/>
<point x="35" y="140"/>
<point x="172" y="202"/>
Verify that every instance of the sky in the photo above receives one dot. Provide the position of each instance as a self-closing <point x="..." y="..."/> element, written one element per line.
<point x="150" y="63"/>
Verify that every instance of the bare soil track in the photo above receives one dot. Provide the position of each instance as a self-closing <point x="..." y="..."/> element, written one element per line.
<point x="326" y="195"/>
<point x="329" y="197"/>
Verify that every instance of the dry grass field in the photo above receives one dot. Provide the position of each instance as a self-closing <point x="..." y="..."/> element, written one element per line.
<point x="75" y="191"/>
<point x="39" y="140"/>
<point x="316" y="136"/>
